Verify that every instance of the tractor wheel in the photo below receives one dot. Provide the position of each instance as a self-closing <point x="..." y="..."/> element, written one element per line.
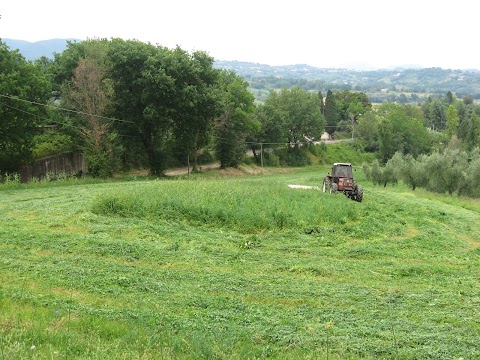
<point x="326" y="184"/>
<point x="359" y="193"/>
<point x="333" y="188"/>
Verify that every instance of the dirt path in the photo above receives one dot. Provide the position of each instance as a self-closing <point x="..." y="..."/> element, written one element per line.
<point x="184" y="170"/>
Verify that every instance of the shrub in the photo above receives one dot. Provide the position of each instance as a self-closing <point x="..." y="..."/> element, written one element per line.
<point x="471" y="181"/>
<point x="350" y="152"/>
<point x="271" y="159"/>
<point x="51" y="144"/>
<point x="446" y="171"/>
<point x="101" y="165"/>
<point x="451" y="172"/>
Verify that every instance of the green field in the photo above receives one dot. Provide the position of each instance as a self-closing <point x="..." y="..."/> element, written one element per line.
<point x="236" y="267"/>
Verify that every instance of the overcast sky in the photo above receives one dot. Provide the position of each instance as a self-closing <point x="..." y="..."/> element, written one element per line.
<point x="333" y="33"/>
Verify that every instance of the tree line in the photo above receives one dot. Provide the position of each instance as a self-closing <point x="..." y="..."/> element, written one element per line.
<point x="126" y="103"/>
<point x="132" y="104"/>
<point x="452" y="171"/>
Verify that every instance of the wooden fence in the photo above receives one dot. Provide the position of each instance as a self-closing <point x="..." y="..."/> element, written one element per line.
<point x="53" y="167"/>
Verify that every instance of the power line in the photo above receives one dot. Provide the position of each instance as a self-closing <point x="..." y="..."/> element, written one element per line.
<point x="65" y="109"/>
<point x="276" y="143"/>
<point x="99" y="116"/>
<point x="40" y="117"/>
<point x="54" y="121"/>
<point x="114" y="119"/>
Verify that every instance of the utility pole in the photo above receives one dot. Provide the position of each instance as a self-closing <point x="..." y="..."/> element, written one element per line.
<point x="261" y="154"/>
<point x="353" y="124"/>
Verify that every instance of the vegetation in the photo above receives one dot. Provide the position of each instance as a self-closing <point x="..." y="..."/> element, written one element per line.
<point x="237" y="122"/>
<point x="452" y="172"/>
<point x="26" y="82"/>
<point x="228" y="267"/>
<point x="291" y="117"/>
<point x="133" y="104"/>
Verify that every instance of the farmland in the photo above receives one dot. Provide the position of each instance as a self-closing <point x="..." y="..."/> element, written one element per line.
<point x="236" y="267"/>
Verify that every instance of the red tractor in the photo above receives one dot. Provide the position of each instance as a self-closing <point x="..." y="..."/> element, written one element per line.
<point x="341" y="179"/>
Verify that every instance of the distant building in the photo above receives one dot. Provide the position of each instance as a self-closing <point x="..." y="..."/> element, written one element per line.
<point x="325" y="136"/>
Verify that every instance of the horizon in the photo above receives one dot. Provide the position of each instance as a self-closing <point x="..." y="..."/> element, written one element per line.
<point x="353" y="67"/>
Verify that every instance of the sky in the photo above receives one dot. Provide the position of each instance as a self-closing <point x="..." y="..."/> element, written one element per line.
<point x="330" y="34"/>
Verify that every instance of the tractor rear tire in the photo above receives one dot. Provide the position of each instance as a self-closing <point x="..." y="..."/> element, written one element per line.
<point x="333" y="188"/>
<point x="359" y="196"/>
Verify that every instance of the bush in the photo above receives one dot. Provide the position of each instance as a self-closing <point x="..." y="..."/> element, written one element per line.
<point x="51" y="144"/>
<point x="446" y="171"/>
<point x="350" y="152"/>
<point x="296" y="157"/>
<point x="270" y="159"/>
<point x="101" y="165"/>
<point x="451" y="172"/>
<point x="471" y="182"/>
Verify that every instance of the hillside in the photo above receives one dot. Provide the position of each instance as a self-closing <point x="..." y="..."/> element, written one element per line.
<point x="236" y="267"/>
<point x="35" y="50"/>
<point x="380" y="85"/>
<point x="401" y="84"/>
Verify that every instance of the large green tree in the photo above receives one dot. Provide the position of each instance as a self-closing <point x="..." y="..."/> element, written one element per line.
<point x="351" y="104"/>
<point x="401" y="128"/>
<point x="332" y="116"/>
<point x="168" y="98"/>
<point x="196" y="100"/>
<point x="293" y="116"/>
<point x="236" y="121"/>
<point x="473" y="135"/>
<point x="305" y="121"/>
<point x="367" y="130"/>
<point x="22" y="87"/>
<point x="273" y="120"/>
<point x="435" y="113"/>
<point x="143" y="99"/>
<point x="452" y="120"/>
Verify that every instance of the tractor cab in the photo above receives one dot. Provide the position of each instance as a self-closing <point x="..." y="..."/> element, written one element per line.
<point x="342" y="170"/>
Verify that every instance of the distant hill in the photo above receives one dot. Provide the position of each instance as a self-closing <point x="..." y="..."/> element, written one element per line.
<point x="400" y="84"/>
<point x="35" y="50"/>
<point x="405" y="84"/>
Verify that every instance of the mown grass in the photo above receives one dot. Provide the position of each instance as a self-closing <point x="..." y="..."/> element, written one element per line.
<point x="242" y="267"/>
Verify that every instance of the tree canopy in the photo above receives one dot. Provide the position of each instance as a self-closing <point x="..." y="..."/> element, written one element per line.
<point x="164" y="99"/>
<point x="22" y="86"/>
<point x="401" y="128"/>
<point x="292" y="116"/>
<point x="236" y="122"/>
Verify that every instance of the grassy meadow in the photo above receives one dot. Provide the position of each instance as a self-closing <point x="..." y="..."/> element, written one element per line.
<point x="215" y="266"/>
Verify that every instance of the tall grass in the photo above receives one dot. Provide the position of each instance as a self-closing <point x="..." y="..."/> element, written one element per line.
<point x="245" y="205"/>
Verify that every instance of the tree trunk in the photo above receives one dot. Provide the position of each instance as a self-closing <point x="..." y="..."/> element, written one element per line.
<point x="154" y="158"/>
